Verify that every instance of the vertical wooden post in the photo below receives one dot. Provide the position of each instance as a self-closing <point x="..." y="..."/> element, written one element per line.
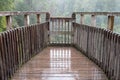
<point x="74" y="17"/>
<point x="26" y="20"/>
<point x="73" y="29"/>
<point x="93" y="20"/>
<point x="47" y="29"/>
<point x="82" y="19"/>
<point x="9" y="22"/>
<point x="110" y="23"/>
<point x="38" y="18"/>
<point x="47" y="16"/>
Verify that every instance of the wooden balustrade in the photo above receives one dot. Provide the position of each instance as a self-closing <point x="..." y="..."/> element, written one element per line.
<point x="61" y="31"/>
<point x="100" y="45"/>
<point x="26" y="14"/>
<point x="17" y="46"/>
<point x="20" y="45"/>
<point x="111" y="16"/>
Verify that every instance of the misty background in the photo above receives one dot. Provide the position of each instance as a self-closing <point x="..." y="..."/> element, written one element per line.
<point x="67" y="7"/>
<point x="61" y="8"/>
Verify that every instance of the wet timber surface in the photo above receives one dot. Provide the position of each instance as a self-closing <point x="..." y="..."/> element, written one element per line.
<point x="60" y="63"/>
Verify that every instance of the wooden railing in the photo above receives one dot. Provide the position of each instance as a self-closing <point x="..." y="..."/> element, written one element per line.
<point x="61" y="31"/>
<point x="110" y="18"/>
<point x="100" y="45"/>
<point x="20" y="45"/>
<point x="9" y="17"/>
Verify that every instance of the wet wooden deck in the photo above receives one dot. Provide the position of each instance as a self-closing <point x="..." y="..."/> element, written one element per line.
<point x="60" y="63"/>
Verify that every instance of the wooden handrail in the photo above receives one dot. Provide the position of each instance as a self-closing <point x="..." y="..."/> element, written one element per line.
<point x="101" y="46"/>
<point x="19" y="45"/>
<point x="99" y="13"/>
<point x="12" y="13"/>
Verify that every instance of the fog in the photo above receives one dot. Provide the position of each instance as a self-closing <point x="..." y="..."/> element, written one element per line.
<point x="66" y="7"/>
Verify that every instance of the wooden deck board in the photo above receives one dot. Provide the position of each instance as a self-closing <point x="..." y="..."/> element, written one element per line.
<point x="60" y="63"/>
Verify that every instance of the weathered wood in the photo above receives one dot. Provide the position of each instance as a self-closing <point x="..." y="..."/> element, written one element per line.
<point x="82" y="19"/>
<point x="9" y="22"/>
<point x="61" y="30"/>
<point x="38" y="18"/>
<point x="110" y="23"/>
<point x="99" y="13"/>
<point x="60" y="18"/>
<point x="2" y="59"/>
<point x="101" y="46"/>
<point x="19" y="45"/>
<point x="93" y="20"/>
<point x="74" y="16"/>
<point x="47" y="16"/>
<point x="64" y="63"/>
<point x="26" y="20"/>
<point x="8" y="13"/>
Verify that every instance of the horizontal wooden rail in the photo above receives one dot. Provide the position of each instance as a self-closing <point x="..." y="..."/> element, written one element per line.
<point x="65" y="18"/>
<point x="99" y="13"/>
<point x="19" y="45"/>
<point x="100" y="45"/>
<point x="8" y="13"/>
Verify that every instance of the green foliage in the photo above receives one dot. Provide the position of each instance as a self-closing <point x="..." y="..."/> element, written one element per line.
<point x="23" y="5"/>
<point x="5" y="5"/>
<point x="2" y="24"/>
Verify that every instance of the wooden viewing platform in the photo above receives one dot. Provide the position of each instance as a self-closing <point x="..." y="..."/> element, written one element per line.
<point x="59" y="48"/>
<point x="60" y="63"/>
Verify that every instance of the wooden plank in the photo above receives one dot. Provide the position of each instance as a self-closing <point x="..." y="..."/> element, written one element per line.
<point x="53" y="59"/>
<point x="62" y="30"/>
<point x="99" y="13"/>
<point x="59" y="30"/>
<point x="68" y="31"/>
<point x="4" y="54"/>
<point x="8" y="13"/>
<point x="65" y="31"/>
<point x="65" y="18"/>
<point x="2" y="59"/>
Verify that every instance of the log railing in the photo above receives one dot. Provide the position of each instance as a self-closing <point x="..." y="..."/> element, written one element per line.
<point x="100" y="45"/>
<point x="20" y="45"/>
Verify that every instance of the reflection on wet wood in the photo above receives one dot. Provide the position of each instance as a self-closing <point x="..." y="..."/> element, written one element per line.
<point x="60" y="63"/>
